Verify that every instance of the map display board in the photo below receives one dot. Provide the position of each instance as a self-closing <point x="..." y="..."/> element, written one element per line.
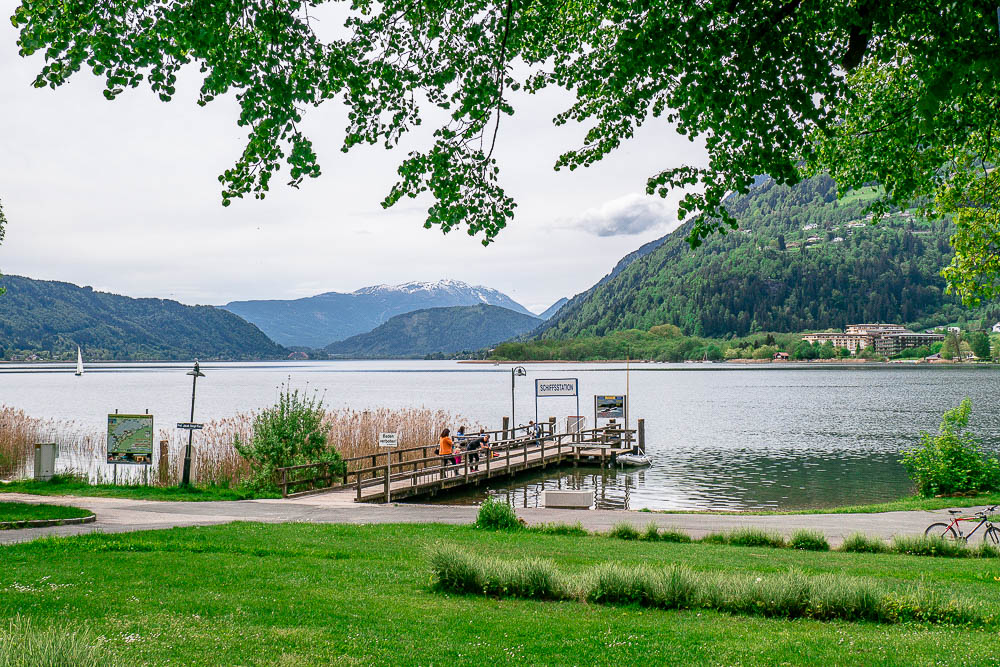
<point x="130" y="439"/>
<point x="609" y="407"/>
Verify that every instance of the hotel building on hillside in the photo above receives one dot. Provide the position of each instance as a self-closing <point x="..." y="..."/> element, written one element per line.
<point x="887" y="339"/>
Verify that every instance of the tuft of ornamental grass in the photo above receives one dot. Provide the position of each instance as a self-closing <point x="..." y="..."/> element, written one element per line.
<point x="924" y="545"/>
<point x="860" y="543"/>
<point x="674" y="535"/>
<point x="986" y="550"/>
<point x="809" y="540"/>
<point x="624" y="531"/>
<point x="558" y="528"/>
<point x="788" y="595"/>
<point x="495" y="514"/>
<point x="747" y="537"/>
<point x="25" y="645"/>
<point x="654" y="534"/>
<point x="462" y="572"/>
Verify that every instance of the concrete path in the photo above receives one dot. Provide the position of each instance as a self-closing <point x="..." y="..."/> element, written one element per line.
<point x="116" y="515"/>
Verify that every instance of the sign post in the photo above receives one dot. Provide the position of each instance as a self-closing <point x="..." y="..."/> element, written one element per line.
<point x="388" y="440"/>
<point x="195" y="373"/>
<point x="557" y="387"/>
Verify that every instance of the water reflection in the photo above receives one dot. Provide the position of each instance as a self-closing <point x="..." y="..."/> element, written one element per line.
<point x="713" y="480"/>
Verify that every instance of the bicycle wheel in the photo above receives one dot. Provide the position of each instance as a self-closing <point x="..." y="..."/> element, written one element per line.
<point x="942" y="530"/>
<point x="992" y="536"/>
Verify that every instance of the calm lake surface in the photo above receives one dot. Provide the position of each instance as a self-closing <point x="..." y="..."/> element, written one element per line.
<point x="723" y="436"/>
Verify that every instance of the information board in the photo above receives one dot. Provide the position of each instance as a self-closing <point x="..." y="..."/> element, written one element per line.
<point x="388" y="439"/>
<point x="609" y="407"/>
<point x="130" y="439"/>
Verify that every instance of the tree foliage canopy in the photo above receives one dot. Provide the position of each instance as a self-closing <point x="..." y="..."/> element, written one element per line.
<point x="902" y="92"/>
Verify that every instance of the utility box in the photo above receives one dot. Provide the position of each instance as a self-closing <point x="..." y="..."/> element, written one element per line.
<point x="45" y="460"/>
<point x="579" y="500"/>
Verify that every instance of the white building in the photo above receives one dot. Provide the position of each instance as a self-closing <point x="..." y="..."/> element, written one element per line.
<point x="996" y="328"/>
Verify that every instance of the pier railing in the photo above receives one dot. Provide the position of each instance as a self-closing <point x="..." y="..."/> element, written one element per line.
<point x="411" y="471"/>
<point x="419" y="469"/>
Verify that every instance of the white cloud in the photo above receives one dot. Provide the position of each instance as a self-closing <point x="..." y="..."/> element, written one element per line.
<point x="629" y="215"/>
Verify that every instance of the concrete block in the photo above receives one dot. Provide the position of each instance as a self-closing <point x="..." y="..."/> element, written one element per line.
<point x="568" y="499"/>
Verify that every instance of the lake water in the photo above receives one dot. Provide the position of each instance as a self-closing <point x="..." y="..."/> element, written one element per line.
<point x="722" y="436"/>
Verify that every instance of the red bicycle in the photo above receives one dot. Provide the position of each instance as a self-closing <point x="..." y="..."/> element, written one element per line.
<point x="953" y="529"/>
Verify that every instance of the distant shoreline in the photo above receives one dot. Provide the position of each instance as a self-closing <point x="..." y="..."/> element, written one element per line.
<point x="739" y="362"/>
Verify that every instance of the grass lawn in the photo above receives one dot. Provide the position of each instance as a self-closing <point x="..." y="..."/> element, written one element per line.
<point x="69" y="486"/>
<point x="27" y="511"/>
<point x="295" y="594"/>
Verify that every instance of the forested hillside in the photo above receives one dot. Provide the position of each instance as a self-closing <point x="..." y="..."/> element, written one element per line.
<point x="801" y="260"/>
<point x="50" y="319"/>
<point x="434" y="331"/>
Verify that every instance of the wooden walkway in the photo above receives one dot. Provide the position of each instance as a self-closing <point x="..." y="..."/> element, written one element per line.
<point x="406" y="473"/>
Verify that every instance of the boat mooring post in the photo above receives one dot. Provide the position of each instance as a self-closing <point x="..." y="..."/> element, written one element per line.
<point x="195" y="373"/>
<point x="641" y="429"/>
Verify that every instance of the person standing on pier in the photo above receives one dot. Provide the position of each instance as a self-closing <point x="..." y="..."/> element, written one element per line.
<point x="445" y="447"/>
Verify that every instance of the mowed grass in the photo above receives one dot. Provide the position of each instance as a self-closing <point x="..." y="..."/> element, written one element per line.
<point x="300" y="594"/>
<point x="69" y="486"/>
<point x="28" y="511"/>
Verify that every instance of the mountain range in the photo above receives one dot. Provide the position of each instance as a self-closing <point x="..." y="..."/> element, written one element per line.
<point x="436" y="331"/>
<point x="319" y="320"/>
<point x="49" y="319"/>
<point x="801" y="259"/>
<point x="553" y="309"/>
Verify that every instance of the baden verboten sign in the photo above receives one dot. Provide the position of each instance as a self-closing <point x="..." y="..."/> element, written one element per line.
<point x="609" y="407"/>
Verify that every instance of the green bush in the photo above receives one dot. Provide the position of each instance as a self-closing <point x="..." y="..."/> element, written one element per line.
<point x="495" y="514"/>
<point x="809" y="540"/>
<point x="952" y="462"/>
<point x="289" y="433"/>
<point x="862" y="544"/>
<point x="25" y="645"/>
<point x="624" y="531"/>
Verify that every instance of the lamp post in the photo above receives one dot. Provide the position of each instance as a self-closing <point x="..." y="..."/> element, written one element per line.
<point x="516" y="371"/>
<point x="195" y="373"/>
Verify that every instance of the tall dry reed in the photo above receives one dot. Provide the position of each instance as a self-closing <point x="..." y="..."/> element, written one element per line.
<point x="18" y="434"/>
<point x="215" y="460"/>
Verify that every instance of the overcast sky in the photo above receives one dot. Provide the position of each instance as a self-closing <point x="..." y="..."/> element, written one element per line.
<point x="124" y="196"/>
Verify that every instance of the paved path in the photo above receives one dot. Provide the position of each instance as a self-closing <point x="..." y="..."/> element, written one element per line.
<point x="120" y="515"/>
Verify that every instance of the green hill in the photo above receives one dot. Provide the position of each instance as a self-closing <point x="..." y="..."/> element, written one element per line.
<point x="800" y="260"/>
<point x="49" y="319"/>
<point x="436" y="331"/>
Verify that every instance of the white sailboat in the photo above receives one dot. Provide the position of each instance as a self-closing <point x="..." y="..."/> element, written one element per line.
<point x="79" y="361"/>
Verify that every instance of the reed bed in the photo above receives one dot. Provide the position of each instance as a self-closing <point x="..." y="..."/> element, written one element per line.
<point x="18" y="433"/>
<point x="215" y="461"/>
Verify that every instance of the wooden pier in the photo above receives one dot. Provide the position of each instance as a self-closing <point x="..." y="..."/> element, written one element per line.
<point x="416" y="471"/>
